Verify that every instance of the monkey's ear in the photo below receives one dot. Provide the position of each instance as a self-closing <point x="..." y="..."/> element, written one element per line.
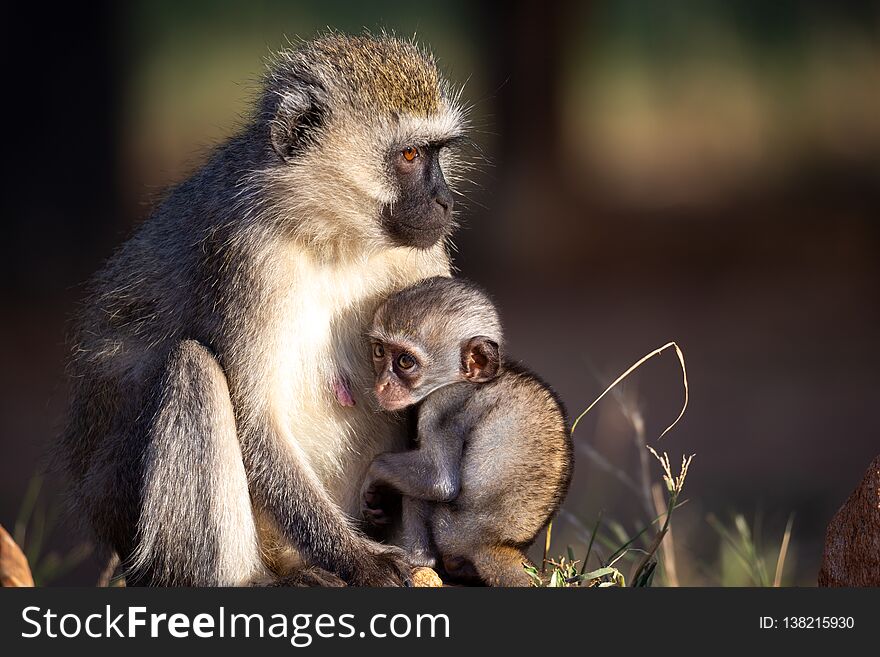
<point x="299" y="114"/>
<point x="480" y="359"/>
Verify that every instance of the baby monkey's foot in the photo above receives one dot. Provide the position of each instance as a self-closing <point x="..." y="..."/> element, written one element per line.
<point x="421" y="556"/>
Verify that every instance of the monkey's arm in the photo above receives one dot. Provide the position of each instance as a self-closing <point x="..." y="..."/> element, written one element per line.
<point x="282" y="482"/>
<point x="416" y="535"/>
<point x="202" y="474"/>
<point x="430" y="473"/>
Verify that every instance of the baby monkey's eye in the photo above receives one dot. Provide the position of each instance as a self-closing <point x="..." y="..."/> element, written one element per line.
<point x="406" y="362"/>
<point x="378" y="351"/>
<point x="410" y="153"/>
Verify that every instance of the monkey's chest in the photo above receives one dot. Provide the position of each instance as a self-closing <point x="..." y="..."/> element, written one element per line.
<point x="319" y="343"/>
<point x="319" y="335"/>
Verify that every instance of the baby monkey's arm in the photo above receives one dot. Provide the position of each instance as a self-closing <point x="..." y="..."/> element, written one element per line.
<point x="431" y="472"/>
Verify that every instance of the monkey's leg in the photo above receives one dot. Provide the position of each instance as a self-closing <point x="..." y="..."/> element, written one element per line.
<point x="416" y="533"/>
<point x="196" y="526"/>
<point x="284" y="484"/>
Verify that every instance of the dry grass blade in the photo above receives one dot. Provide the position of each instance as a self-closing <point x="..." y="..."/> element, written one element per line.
<point x="667" y="547"/>
<point x="631" y="369"/>
<point x="547" y="546"/>
<point x="596" y="457"/>
<point x="783" y="551"/>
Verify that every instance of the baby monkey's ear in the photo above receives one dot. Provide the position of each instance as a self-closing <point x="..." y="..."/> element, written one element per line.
<point x="480" y="359"/>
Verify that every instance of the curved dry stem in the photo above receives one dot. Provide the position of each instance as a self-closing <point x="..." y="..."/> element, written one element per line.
<point x="634" y="367"/>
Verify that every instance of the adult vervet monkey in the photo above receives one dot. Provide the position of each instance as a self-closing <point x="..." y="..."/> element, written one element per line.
<point x="206" y="441"/>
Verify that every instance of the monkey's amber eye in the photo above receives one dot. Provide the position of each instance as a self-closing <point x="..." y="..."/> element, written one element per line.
<point x="410" y="154"/>
<point x="406" y="362"/>
<point x="378" y="351"/>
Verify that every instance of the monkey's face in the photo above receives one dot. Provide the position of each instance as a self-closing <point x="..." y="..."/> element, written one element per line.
<point x="421" y="213"/>
<point x="399" y="375"/>
<point x="362" y="152"/>
<point x="378" y="182"/>
<point x="406" y="374"/>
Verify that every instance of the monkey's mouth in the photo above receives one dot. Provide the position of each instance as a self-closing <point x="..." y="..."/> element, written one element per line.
<point x="436" y="226"/>
<point x="422" y="236"/>
<point x="432" y="232"/>
<point x="416" y="229"/>
<point x="393" y="404"/>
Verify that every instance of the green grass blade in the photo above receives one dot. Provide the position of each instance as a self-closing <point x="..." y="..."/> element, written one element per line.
<point x="26" y="509"/>
<point x="592" y="539"/>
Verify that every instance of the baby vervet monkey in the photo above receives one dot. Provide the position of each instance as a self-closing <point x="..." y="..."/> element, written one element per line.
<point x="493" y="458"/>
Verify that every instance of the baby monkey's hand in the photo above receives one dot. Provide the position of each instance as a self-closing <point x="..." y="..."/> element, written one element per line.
<point x="376" y="501"/>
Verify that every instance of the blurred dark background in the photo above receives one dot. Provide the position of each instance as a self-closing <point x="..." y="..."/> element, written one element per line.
<point x="701" y="172"/>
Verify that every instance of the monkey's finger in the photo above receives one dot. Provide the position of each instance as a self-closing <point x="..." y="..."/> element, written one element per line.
<point x="372" y="499"/>
<point x="376" y="517"/>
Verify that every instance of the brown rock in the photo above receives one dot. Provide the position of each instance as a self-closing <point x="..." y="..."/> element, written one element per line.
<point x="14" y="569"/>
<point x="852" y="541"/>
<point x="425" y="577"/>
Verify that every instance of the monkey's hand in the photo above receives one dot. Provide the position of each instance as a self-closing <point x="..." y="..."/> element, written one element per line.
<point x="375" y="504"/>
<point x="382" y="565"/>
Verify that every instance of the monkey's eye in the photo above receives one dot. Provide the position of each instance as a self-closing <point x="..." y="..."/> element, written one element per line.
<point x="406" y="362"/>
<point x="410" y="153"/>
<point x="378" y="351"/>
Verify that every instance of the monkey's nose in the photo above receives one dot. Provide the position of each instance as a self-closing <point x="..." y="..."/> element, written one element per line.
<point x="444" y="202"/>
<point x="443" y="197"/>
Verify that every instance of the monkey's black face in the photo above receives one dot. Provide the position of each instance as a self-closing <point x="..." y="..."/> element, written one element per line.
<point x="422" y="214"/>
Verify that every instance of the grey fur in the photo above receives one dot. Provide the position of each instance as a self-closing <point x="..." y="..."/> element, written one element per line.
<point x="203" y="443"/>
<point x="494" y="459"/>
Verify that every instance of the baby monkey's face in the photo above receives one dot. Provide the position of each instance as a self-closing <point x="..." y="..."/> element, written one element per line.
<point x="407" y="373"/>
<point x="400" y="375"/>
